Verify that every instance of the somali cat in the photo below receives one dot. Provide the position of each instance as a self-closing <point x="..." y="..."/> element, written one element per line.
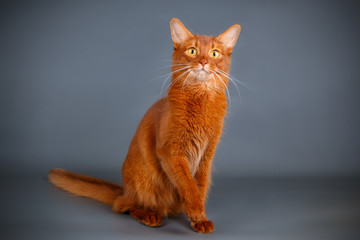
<point x="167" y="169"/>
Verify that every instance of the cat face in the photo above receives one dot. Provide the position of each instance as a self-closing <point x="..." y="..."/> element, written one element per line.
<point x="202" y="59"/>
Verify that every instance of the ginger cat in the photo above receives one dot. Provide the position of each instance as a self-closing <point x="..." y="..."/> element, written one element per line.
<point x="167" y="170"/>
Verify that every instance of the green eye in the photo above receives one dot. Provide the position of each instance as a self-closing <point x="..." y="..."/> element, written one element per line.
<point x="192" y="52"/>
<point x="214" y="54"/>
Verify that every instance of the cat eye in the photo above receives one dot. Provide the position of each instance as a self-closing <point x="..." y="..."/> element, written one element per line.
<point x="214" y="54"/>
<point x="192" y="52"/>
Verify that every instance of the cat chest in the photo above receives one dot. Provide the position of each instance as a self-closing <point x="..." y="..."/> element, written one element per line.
<point x="196" y="144"/>
<point x="195" y="153"/>
<point x="198" y="132"/>
<point x="196" y="129"/>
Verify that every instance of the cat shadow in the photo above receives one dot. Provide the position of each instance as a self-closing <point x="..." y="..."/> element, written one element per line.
<point x="172" y="224"/>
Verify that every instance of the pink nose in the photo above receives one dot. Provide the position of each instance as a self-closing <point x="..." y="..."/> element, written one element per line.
<point x="203" y="62"/>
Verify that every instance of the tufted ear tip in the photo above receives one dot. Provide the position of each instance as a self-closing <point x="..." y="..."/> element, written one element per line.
<point x="174" y="20"/>
<point x="237" y="26"/>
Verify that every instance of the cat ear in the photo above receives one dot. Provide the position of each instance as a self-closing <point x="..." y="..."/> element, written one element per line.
<point x="230" y="36"/>
<point x="179" y="33"/>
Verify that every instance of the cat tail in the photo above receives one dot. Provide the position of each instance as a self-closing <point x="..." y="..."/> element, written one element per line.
<point x="85" y="186"/>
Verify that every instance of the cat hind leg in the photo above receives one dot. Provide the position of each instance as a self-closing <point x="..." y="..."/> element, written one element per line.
<point x="122" y="204"/>
<point x="146" y="217"/>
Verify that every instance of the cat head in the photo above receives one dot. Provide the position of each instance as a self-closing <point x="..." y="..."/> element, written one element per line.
<point x="199" y="59"/>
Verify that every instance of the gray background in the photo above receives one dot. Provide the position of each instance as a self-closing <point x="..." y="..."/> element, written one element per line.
<point x="77" y="76"/>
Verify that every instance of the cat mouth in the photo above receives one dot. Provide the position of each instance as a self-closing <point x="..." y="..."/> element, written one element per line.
<point x="202" y="69"/>
<point x="202" y="74"/>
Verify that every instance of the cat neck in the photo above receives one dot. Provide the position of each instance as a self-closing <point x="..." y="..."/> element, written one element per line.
<point x="197" y="94"/>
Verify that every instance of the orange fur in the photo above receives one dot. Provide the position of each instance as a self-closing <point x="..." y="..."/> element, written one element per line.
<point x="167" y="170"/>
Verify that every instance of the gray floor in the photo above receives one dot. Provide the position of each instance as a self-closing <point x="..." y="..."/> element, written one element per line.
<point x="31" y="208"/>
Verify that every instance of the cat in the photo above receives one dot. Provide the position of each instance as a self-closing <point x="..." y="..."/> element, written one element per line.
<point x="167" y="170"/>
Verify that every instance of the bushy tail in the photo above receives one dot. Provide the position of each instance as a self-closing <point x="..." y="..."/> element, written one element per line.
<point x="85" y="186"/>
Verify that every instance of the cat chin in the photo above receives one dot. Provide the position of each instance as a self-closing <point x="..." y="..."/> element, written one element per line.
<point x="201" y="75"/>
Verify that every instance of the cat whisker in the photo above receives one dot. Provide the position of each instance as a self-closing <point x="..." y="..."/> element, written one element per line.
<point x="172" y="66"/>
<point x="168" y="66"/>
<point x="170" y="60"/>
<point x="236" y="87"/>
<point x="235" y="79"/>
<point x="172" y="72"/>
<point x="226" y="88"/>
<point x="165" y="75"/>
<point x="215" y="87"/>
<point x="178" y="77"/>
<point x="169" y="75"/>
<point x="182" y="88"/>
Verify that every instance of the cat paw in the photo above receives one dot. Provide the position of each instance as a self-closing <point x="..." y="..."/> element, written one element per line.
<point x="149" y="218"/>
<point x="203" y="227"/>
<point x="195" y="212"/>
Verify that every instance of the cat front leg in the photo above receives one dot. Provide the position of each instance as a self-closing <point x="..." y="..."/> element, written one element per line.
<point x="203" y="175"/>
<point x="177" y="169"/>
<point x="203" y="226"/>
<point x="203" y="179"/>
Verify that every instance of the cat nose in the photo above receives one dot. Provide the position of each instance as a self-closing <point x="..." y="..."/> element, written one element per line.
<point x="203" y="62"/>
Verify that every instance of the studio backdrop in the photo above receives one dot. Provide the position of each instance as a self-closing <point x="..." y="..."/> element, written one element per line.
<point x="77" y="76"/>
